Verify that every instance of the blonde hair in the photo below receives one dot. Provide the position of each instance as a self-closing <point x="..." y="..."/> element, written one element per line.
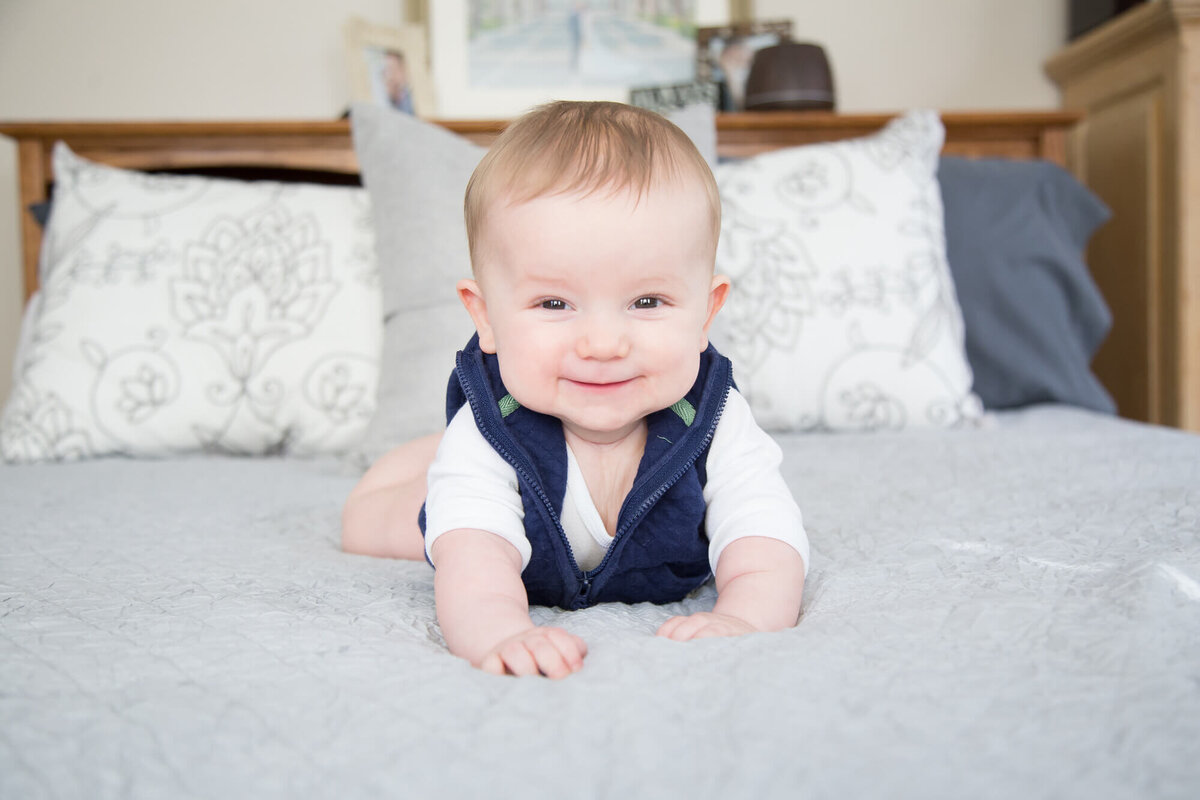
<point x="572" y="146"/>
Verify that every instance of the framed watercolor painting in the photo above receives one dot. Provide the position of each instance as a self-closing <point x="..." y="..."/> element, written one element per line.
<point x="497" y="59"/>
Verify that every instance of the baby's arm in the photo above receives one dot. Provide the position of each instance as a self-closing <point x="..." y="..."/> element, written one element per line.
<point x="756" y="534"/>
<point x="476" y="538"/>
<point x="483" y="609"/>
<point x="760" y="582"/>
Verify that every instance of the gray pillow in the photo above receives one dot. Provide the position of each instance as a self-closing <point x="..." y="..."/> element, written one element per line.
<point x="415" y="174"/>
<point x="1015" y="236"/>
<point x="699" y="122"/>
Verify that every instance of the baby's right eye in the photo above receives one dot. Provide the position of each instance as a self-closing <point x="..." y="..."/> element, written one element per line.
<point x="554" y="305"/>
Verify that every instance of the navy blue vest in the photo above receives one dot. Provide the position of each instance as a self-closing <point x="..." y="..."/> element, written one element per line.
<point x="659" y="552"/>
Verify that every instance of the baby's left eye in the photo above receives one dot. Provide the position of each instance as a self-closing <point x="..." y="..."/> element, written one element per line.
<point x="647" y="302"/>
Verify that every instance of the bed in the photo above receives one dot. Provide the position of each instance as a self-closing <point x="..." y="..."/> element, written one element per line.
<point x="1007" y="604"/>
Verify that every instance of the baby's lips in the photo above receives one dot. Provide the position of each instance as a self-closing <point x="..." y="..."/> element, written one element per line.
<point x="599" y="381"/>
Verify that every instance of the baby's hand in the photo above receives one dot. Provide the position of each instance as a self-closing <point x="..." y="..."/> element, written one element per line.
<point x="704" y="624"/>
<point x="537" y="651"/>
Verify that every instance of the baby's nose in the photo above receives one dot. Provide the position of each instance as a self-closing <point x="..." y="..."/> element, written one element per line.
<point x="602" y="342"/>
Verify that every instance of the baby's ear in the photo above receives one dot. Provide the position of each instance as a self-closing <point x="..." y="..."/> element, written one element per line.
<point x="717" y="296"/>
<point x="472" y="298"/>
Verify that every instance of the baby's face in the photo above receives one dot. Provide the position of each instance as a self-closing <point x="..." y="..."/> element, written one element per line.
<point x="597" y="307"/>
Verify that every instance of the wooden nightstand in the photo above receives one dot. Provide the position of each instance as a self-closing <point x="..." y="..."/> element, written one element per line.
<point x="1137" y="78"/>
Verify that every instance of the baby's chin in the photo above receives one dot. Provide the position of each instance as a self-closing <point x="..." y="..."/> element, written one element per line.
<point x="602" y="431"/>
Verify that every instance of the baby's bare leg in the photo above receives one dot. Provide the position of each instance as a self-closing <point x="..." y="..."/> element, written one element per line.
<point x="380" y="515"/>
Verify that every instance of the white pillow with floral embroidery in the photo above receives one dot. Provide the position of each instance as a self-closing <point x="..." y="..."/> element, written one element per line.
<point x="843" y="314"/>
<point x="180" y="314"/>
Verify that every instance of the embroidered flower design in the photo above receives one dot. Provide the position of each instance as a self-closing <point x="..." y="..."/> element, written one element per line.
<point x="40" y="427"/>
<point x="143" y="392"/>
<point x="130" y="386"/>
<point x="867" y="407"/>
<point x="252" y="286"/>
<point x="772" y="288"/>
<point x="819" y="181"/>
<point x="338" y="396"/>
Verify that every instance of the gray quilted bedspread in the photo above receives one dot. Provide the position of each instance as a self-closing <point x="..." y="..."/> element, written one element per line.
<point x="1005" y="612"/>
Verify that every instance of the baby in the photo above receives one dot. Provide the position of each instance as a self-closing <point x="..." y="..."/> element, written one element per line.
<point x="596" y="449"/>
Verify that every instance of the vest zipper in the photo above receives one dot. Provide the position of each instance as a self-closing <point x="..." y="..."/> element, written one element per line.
<point x="585" y="588"/>
<point x="681" y="466"/>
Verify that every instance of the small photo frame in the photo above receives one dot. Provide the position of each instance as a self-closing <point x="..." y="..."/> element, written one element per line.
<point x="389" y="66"/>
<point x="724" y="55"/>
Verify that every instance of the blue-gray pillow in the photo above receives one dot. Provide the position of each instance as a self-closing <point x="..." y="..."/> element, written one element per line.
<point x="1015" y="236"/>
<point x="40" y="212"/>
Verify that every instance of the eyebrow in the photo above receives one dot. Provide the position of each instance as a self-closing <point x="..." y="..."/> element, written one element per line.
<point x="649" y="283"/>
<point x="541" y="277"/>
<point x="540" y="282"/>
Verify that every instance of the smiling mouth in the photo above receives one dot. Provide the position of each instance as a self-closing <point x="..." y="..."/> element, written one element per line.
<point x="599" y="387"/>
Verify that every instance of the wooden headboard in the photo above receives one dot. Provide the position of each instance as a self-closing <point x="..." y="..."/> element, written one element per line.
<point x="321" y="151"/>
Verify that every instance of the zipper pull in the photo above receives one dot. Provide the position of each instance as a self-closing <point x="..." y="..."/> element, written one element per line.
<point x="582" y="596"/>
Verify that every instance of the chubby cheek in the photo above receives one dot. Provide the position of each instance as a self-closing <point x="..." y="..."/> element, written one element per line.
<point x="528" y="368"/>
<point x="674" y="361"/>
<point x="685" y="369"/>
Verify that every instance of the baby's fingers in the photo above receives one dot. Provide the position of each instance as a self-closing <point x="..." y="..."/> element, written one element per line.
<point x="572" y="648"/>
<point x="539" y="651"/>
<point x="558" y="653"/>
<point x="680" y="629"/>
<point x="667" y="628"/>
<point x="549" y="661"/>
<point x="517" y="658"/>
<point x="507" y="660"/>
<point x="710" y="630"/>
<point x="492" y="663"/>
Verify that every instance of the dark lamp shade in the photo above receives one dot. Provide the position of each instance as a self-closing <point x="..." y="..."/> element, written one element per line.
<point x="790" y="76"/>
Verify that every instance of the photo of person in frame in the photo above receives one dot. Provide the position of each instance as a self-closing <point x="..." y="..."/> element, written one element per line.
<point x="387" y="66"/>
<point x="390" y="83"/>
<point x="724" y="55"/>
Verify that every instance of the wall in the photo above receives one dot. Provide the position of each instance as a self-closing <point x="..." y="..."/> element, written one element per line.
<point x="149" y="59"/>
<point x="948" y="54"/>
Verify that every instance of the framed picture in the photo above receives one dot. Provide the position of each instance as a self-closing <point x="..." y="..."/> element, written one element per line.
<point x="389" y="66"/>
<point x="724" y="55"/>
<point x="497" y="59"/>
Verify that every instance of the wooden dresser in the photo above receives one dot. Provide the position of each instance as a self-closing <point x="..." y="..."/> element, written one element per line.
<point x="1137" y="78"/>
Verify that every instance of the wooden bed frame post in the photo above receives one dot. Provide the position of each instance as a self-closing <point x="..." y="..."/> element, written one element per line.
<point x="1137" y="78"/>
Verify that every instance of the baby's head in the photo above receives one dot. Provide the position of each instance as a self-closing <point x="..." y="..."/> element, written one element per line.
<point x="593" y="230"/>
<point x="583" y="148"/>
